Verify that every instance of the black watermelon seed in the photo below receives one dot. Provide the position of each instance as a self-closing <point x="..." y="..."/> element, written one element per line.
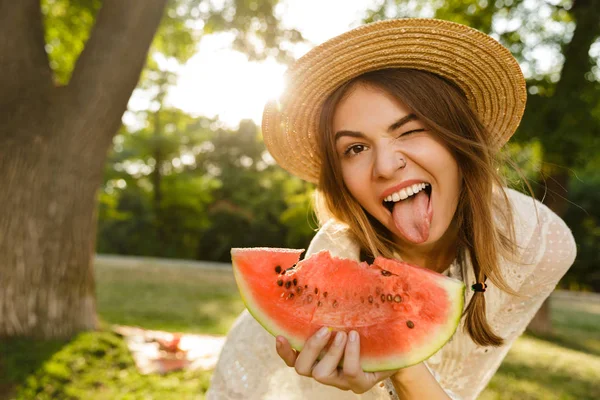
<point x="288" y="284"/>
<point x="410" y="324"/>
<point x="299" y="290"/>
<point x="291" y="296"/>
<point x="324" y="294"/>
<point x="335" y="304"/>
<point x="385" y="273"/>
<point x="316" y="290"/>
<point x="278" y="269"/>
<point x="319" y="304"/>
<point x="309" y="298"/>
<point x="397" y="298"/>
<point x="370" y="299"/>
<point x="295" y="281"/>
<point x="383" y="298"/>
<point x="389" y="297"/>
<point x="305" y="286"/>
<point x="279" y="282"/>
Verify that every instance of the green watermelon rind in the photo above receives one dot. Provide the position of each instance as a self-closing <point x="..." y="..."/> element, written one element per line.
<point x="263" y="319"/>
<point x="454" y="288"/>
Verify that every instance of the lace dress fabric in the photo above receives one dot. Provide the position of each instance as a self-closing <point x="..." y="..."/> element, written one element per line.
<point x="249" y="367"/>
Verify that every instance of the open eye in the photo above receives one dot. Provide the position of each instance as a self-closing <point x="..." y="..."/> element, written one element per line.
<point x="354" y="150"/>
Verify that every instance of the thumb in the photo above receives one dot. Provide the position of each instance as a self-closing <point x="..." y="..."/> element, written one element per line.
<point x="285" y="351"/>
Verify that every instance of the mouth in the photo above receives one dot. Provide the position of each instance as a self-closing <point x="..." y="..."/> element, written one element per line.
<point x="406" y="194"/>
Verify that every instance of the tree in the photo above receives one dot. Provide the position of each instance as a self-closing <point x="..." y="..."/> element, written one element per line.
<point x="559" y="115"/>
<point x="131" y="220"/>
<point x="220" y="189"/>
<point x="64" y="88"/>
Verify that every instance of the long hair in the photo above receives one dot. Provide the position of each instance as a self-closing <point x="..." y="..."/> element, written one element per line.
<point x="443" y="108"/>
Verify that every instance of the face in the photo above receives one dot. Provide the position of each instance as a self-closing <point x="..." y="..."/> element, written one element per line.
<point x="397" y="169"/>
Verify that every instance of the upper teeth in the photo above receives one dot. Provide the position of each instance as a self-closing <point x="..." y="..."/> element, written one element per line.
<point x="406" y="192"/>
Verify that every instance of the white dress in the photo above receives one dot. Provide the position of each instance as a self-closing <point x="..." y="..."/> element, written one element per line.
<point x="250" y="369"/>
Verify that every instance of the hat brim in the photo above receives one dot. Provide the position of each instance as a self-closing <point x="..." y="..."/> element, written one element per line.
<point x="481" y="67"/>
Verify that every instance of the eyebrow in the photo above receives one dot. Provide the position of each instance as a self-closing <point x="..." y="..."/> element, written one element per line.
<point x="391" y="128"/>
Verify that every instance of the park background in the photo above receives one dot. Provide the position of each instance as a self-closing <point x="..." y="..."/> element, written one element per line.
<point x="133" y="128"/>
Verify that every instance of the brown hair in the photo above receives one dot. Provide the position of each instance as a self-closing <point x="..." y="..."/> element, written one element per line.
<point x="442" y="108"/>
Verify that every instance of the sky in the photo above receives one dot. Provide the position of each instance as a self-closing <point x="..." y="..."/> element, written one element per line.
<point x="218" y="81"/>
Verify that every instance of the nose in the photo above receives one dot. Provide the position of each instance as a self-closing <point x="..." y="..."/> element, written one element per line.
<point x="387" y="161"/>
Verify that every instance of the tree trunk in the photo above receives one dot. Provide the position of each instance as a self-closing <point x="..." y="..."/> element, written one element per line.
<point x="541" y="324"/>
<point x="157" y="186"/>
<point x="554" y="195"/>
<point x="566" y="114"/>
<point x="53" y="144"/>
<point x="47" y="238"/>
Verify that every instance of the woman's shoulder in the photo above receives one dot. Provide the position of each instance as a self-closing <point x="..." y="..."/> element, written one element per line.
<point x="520" y="202"/>
<point x="336" y="237"/>
<point x="526" y="209"/>
<point x="532" y="220"/>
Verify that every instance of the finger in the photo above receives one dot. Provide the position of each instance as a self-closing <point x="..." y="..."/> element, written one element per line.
<point x="352" y="369"/>
<point x="285" y="351"/>
<point x="309" y="354"/>
<point x="326" y="370"/>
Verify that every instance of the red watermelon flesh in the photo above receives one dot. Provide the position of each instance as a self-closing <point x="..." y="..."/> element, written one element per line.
<point x="403" y="313"/>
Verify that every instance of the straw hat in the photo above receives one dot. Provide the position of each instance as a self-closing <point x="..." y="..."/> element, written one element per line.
<point x="485" y="70"/>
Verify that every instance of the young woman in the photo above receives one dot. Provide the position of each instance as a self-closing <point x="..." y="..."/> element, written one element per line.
<point x="400" y="123"/>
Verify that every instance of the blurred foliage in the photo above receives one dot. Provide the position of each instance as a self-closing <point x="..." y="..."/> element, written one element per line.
<point x="220" y="189"/>
<point x="583" y="216"/>
<point x="68" y="26"/>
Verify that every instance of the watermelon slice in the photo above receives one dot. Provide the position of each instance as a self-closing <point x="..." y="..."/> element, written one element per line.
<point x="403" y="313"/>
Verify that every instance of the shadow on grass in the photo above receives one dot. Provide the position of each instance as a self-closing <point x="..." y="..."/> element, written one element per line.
<point x="514" y="381"/>
<point x="20" y="358"/>
<point x="93" y="366"/>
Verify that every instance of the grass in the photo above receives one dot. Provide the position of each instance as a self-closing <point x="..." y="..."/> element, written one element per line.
<point x="564" y="365"/>
<point x="97" y="365"/>
<point x="175" y="299"/>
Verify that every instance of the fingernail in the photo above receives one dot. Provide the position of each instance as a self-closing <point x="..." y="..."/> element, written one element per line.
<point x="323" y="332"/>
<point x="339" y="337"/>
<point x="353" y="336"/>
<point x="278" y="344"/>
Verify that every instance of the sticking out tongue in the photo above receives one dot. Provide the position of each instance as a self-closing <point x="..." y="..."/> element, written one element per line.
<point x="412" y="217"/>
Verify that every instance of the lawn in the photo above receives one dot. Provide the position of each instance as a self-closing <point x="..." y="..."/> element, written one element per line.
<point x="97" y="365"/>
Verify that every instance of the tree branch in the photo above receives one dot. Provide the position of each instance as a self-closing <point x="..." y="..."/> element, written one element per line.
<point x="110" y="65"/>
<point x="23" y="59"/>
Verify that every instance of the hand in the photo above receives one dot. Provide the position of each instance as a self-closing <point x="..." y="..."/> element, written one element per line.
<point x="326" y="371"/>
